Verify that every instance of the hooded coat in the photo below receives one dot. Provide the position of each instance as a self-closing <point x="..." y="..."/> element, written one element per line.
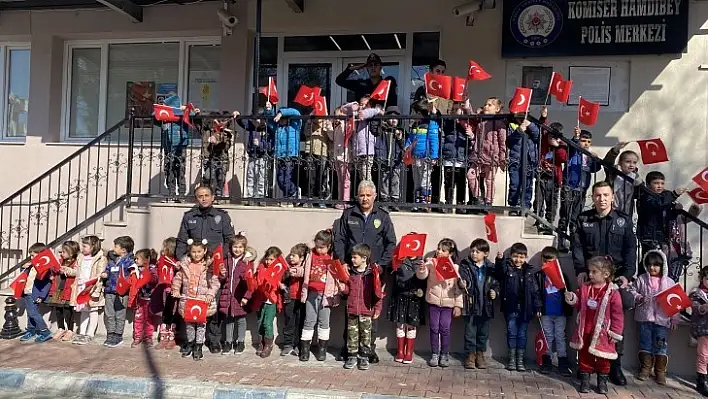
<point x="647" y="308"/>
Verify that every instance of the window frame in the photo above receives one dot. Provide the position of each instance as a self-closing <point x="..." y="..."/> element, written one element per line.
<point x="104" y="45"/>
<point x="5" y="49"/>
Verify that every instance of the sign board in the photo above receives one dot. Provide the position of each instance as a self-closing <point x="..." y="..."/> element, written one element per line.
<point x="550" y="28"/>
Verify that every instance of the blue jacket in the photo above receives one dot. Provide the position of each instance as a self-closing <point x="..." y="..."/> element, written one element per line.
<point x="427" y="140"/>
<point x="575" y="176"/>
<point x="388" y="150"/>
<point x="287" y="137"/>
<point x="113" y="268"/>
<point x="175" y="136"/>
<point x="454" y="142"/>
<point x="264" y="144"/>
<point x="514" y="142"/>
<point x="520" y="290"/>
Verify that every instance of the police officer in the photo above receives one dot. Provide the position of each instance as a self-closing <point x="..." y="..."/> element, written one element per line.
<point x="364" y="87"/>
<point x="205" y="221"/>
<point x="604" y="231"/>
<point x="368" y="224"/>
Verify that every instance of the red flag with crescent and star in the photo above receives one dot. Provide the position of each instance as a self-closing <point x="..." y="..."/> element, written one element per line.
<point x="165" y="113"/>
<point x="218" y="259"/>
<point x="123" y="283"/>
<point x="18" y="285"/>
<point x="381" y="91"/>
<point x="195" y="311"/>
<point x="588" y="112"/>
<point x="560" y="88"/>
<point x="475" y="72"/>
<point x="490" y="227"/>
<point x="271" y="92"/>
<point x="438" y="85"/>
<point x="698" y="196"/>
<point x="396" y="261"/>
<point x="459" y="87"/>
<point x="412" y="245"/>
<point x="673" y="300"/>
<point x="45" y="261"/>
<point x="552" y="270"/>
<point x="653" y="151"/>
<point x="378" y="287"/>
<point x="305" y="96"/>
<point x="521" y="101"/>
<point x="320" y="106"/>
<point x="338" y="270"/>
<point x="274" y="272"/>
<point x="702" y="179"/>
<point x="165" y="269"/>
<point x="85" y="295"/>
<point x="444" y="268"/>
<point x="541" y="345"/>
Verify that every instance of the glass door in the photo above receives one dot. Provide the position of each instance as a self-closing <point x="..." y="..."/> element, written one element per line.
<point x="391" y="66"/>
<point x="316" y="72"/>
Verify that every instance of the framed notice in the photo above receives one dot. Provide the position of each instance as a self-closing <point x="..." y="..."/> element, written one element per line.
<point x="592" y="83"/>
<point x="141" y="97"/>
<point x="537" y="78"/>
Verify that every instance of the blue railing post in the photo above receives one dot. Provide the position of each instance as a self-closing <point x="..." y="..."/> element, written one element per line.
<point x="131" y="149"/>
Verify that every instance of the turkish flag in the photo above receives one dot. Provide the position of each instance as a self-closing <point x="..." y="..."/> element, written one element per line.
<point x="560" y="88"/>
<point x="45" y="261"/>
<point x="653" y="151"/>
<point x="274" y="272"/>
<point x="587" y="112"/>
<point x="123" y="284"/>
<point x="521" y="101"/>
<point x="143" y="278"/>
<point x="320" y="106"/>
<point x="378" y="287"/>
<point x="18" y="286"/>
<point x="396" y="262"/>
<point x="459" y="87"/>
<point x="408" y="153"/>
<point x="305" y="96"/>
<point x="702" y="179"/>
<point x="673" y="300"/>
<point x="444" y="268"/>
<point x="166" y="269"/>
<point x="381" y="91"/>
<point x="490" y="227"/>
<point x="338" y="270"/>
<point x="412" y="245"/>
<point x="475" y="72"/>
<point x="195" y="311"/>
<point x="271" y="92"/>
<point x="218" y="259"/>
<point x="698" y="196"/>
<point x="165" y="113"/>
<point x="552" y="270"/>
<point x="438" y="85"/>
<point x="85" y="295"/>
<point x="348" y="130"/>
<point x="185" y="117"/>
<point x="251" y="280"/>
<point x="541" y="346"/>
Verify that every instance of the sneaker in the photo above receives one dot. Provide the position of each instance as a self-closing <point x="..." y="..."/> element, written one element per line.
<point x="43" y="336"/>
<point x="27" y="336"/>
<point x="350" y="363"/>
<point x="444" y="360"/>
<point x="434" y="360"/>
<point x="117" y="341"/>
<point x="83" y="340"/>
<point x="109" y="340"/>
<point x="78" y="338"/>
<point x="363" y="363"/>
<point x="287" y="350"/>
<point x="240" y="347"/>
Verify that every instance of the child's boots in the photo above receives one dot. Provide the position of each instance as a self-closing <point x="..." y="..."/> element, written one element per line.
<point x="520" y="360"/>
<point x="187" y="350"/>
<point x="170" y="342"/>
<point x="408" y="357"/>
<point x="267" y="347"/>
<point x="702" y="384"/>
<point x="602" y="383"/>
<point x="259" y="350"/>
<point x="197" y="353"/>
<point x="401" y="350"/>
<point x="511" y="365"/>
<point x="646" y="363"/>
<point x="584" y="383"/>
<point x="661" y="363"/>
<point x="304" y="350"/>
<point x="546" y="365"/>
<point x="321" y="354"/>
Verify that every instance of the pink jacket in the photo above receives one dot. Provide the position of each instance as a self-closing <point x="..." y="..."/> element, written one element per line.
<point x="488" y="148"/>
<point x="609" y="322"/>
<point x="647" y="309"/>
<point x="331" y="292"/>
<point x="446" y="294"/>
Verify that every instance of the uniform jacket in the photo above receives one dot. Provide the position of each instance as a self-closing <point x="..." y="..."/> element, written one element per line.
<point x="211" y="223"/>
<point x="470" y="274"/>
<point x="647" y="309"/>
<point x="361" y="300"/>
<point x="364" y="87"/>
<point x="488" y="147"/>
<point x="443" y="293"/>
<point x="609" y="322"/>
<point x="519" y="289"/>
<point x="208" y="284"/>
<point x="98" y="266"/>
<point x="287" y="135"/>
<point x="376" y="231"/>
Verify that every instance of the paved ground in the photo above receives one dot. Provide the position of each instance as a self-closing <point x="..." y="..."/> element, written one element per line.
<point x="386" y="378"/>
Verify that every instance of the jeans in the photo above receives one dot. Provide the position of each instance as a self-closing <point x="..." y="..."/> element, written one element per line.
<point x="35" y="321"/>
<point x="318" y="177"/>
<point x="653" y="338"/>
<point x="256" y="176"/>
<point x="239" y="323"/>
<point x="554" y="329"/>
<point x="515" y="188"/>
<point x="114" y="314"/>
<point x="315" y="313"/>
<point x="440" y="321"/>
<point x="293" y="323"/>
<point x="390" y="185"/>
<point x="266" y="315"/>
<point x="284" y="176"/>
<point x="175" y="167"/>
<point x="476" y="334"/>
<point x="516" y="331"/>
<point x="422" y="171"/>
<point x="571" y="204"/>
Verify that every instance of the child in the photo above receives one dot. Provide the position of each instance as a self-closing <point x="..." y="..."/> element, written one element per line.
<point x="406" y="307"/>
<point x="234" y="294"/>
<point x="576" y="181"/>
<point x="363" y="138"/>
<point x="316" y="150"/>
<point x="599" y="323"/>
<point x="60" y="293"/>
<point x="487" y="153"/>
<point x="523" y="141"/>
<point x="216" y="143"/>
<point x="480" y="286"/>
<point x="520" y="300"/>
<point x="267" y="302"/>
<point x="144" y="322"/>
<point x="35" y="292"/>
<point x="454" y="147"/>
<point x="320" y="293"/>
<point x="654" y="324"/>
<point x="340" y="154"/>
<point x="550" y="176"/>
<point x="90" y="265"/>
<point x="196" y="280"/>
<point x="162" y="304"/>
<point x="175" y="140"/>
<point x="699" y="329"/>
<point x="624" y="189"/>
<point x="259" y="147"/>
<point x="292" y="280"/>
<point x="119" y="262"/>
<point x="555" y="313"/>
<point x="363" y="306"/>
<point x="424" y="140"/>
<point x="444" y="299"/>
<point x="286" y="149"/>
<point x="389" y="147"/>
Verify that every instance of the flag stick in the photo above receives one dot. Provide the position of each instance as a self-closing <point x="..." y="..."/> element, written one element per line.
<point x="550" y="85"/>
<point x="268" y="92"/>
<point x="528" y="106"/>
<point x="578" y="112"/>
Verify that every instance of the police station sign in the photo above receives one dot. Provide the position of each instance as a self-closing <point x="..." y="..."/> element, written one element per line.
<point x="543" y="28"/>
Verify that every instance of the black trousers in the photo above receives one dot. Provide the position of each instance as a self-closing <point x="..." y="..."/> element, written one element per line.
<point x="294" y="318"/>
<point x="175" y="168"/>
<point x="214" y="325"/>
<point x="435" y="182"/>
<point x="455" y="182"/>
<point x="214" y="174"/>
<point x="572" y="202"/>
<point x="65" y="317"/>
<point x="168" y="313"/>
<point x="317" y="176"/>
<point x="547" y="190"/>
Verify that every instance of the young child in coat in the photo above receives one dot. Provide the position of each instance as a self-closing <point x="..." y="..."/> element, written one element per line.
<point x="699" y="329"/>
<point x="389" y="149"/>
<point x="520" y="300"/>
<point x="555" y="317"/>
<point x="196" y="280"/>
<point x="258" y="147"/>
<point x="444" y="298"/>
<point x="481" y="288"/>
<point x="599" y="323"/>
<point x="235" y="294"/>
<point x="523" y="141"/>
<point x="60" y="293"/>
<point x="90" y="264"/>
<point x="487" y="153"/>
<point x="217" y="138"/>
<point x="457" y="134"/>
<point x="554" y="155"/>
<point x="286" y="149"/>
<point x="363" y="306"/>
<point x="144" y="321"/>
<point x="654" y="324"/>
<point x="424" y="142"/>
<point x="624" y="189"/>
<point x="406" y="307"/>
<point x="266" y="300"/>
<point x="162" y="304"/>
<point x="341" y="154"/>
<point x="293" y="309"/>
<point x="120" y="261"/>
<point x="35" y="292"/>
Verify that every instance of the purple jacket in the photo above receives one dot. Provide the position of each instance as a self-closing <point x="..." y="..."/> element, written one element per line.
<point x="235" y="288"/>
<point x="364" y="138"/>
<point x="647" y="309"/>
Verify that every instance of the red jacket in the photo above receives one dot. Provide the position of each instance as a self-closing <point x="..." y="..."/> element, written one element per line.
<point x="555" y="164"/>
<point x="68" y="282"/>
<point x="362" y="300"/>
<point x="609" y="322"/>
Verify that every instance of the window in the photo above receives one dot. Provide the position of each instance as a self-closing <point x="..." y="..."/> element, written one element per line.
<point x="18" y="82"/>
<point x="426" y="49"/>
<point x="204" y="71"/>
<point x="85" y="92"/>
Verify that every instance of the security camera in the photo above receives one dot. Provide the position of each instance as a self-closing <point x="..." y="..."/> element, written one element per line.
<point x="227" y="20"/>
<point x="469" y="7"/>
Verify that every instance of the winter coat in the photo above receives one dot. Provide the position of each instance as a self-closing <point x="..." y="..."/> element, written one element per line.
<point x="647" y="309"/>
<point x="364" y="137"/>
<point x="260" y="139"/>
<point x="317" y="137"/>
<point x="625" y="191"/>
<point x="207" y="285"/>
<point x="470" y="275"/>
<point x="517" y="139"/>
<point x="654" y="215"/>
<point x="488" y="148"/>
<point x="117" y="265"/>
<point x="442" y="293"/>
<point x="455" y="141"/>
<point x="98" y="266"/>
<point x="609" y="322"/>
<point x="175" y="136"/>
<point x="361" y="300"/>
<point x="287" y="134"/>
<point x="552" y="163"/>
<point x="331" y="295"/>
<point x="340" y="150"/>
<point x="406" y="283"/>
<point x="146" y="291"/>
<point x="519" y="289"/>
<point x="576" y="177"/>
<point x="235" y="287"/>
<point x="699" y="320"/>
<point x="425" y="139"/>
<point x="66" y="279"/>
<point x="389" y="149"/>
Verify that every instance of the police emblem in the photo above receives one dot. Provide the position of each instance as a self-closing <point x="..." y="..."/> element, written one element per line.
<point x="217" y="219"/>
<point x="377" y="223"/>
<point x="620" y="222"/>
<point x="536" y="23"/>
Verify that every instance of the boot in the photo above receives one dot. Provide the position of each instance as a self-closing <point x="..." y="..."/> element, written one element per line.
<point x="602" y="383"/>
<point x="564" y="367"/>
<point x="304" y="350"/>
<point x="163" y="338"/>
<point x="470" y="361"/>
<point x="401" y="350"/>
<point x="373" y="357"/>
<point x="267" y="347"/>
<point x="226" y="349"/>
<point x="616" y="375"/>
<point x="520" y="360"/>
<point x="702" y="384"/>
<point x="321" y="354"/>
<point x="480" y="361"/>
<point x="661" y="362"/>
<point x="187" y="350"/>
<point x="408" y="358"/>
<point x="197" y="354"/>
<point x="259" y="349"/>
<point x="584" y="383"/>
<point x="512" y="360"/>
<point x="546" y="365"/>
<point x="645" y="365"/>
<point x="215" y="347"/>
<point x="343" y="354"/>
<point x="170" y="344"/>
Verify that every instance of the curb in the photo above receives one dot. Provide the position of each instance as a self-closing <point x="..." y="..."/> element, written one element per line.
<point x="102" y="386"/>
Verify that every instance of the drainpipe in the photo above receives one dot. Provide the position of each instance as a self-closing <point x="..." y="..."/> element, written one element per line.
<point x="257" y="52"/>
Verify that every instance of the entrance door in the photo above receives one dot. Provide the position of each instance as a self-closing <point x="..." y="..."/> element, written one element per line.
<point x="310" y="72"/>
<point x="391" y="66"/>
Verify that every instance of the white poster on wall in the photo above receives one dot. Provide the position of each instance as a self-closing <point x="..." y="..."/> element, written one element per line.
<point x="204" y="89"/>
